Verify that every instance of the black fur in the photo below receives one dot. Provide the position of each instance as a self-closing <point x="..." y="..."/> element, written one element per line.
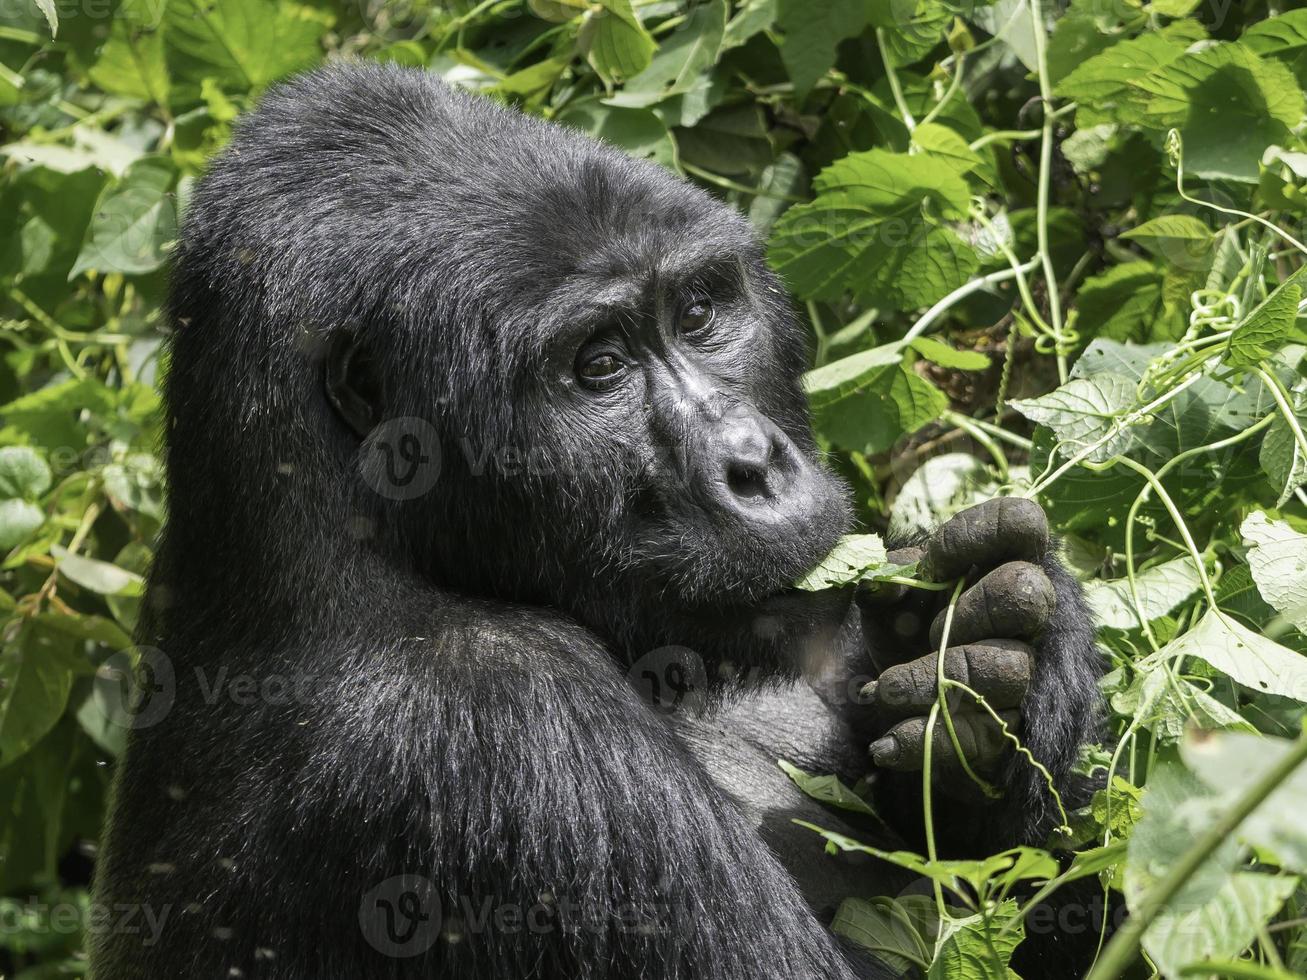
<point x="452" y="701"/>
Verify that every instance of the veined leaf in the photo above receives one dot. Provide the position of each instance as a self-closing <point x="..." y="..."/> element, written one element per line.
<point x="851" y="556"/>
<point x="1083" y="411"/>
<point x="1104" y="81"/>
<point x="1282" y="455"/>
<point x="811" y="33"/>
<point x="1161" y="589"/>
<point x="1249" y="658"/>
<point x="680" y="61"/>
<point x="617" y="43"/>
<point x="866" y="232"/>
<point x="1269" y="326"/>
<point x="1277" y="555"/>
<point x="1285" y="34"/>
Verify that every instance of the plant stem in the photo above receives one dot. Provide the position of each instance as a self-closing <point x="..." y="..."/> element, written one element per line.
<point x="928" y="318"/>
<point x="1047" y="135"/>
<point x="1124" y="946"/>
<point x="893" y="78"/>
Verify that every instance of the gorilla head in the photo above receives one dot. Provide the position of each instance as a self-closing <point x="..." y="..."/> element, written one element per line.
<point x="603" y="364"/>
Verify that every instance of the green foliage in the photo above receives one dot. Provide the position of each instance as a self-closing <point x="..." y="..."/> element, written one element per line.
<point x="1066" y="240"/>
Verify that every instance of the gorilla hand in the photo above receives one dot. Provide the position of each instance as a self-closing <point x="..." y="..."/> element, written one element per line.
<point x="998" y="620"/>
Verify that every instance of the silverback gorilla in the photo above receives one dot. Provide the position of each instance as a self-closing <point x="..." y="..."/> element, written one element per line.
<point x="482" y="440"/>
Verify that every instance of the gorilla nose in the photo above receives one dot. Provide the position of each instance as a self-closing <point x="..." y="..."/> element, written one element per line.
<point x="756" y="459"/>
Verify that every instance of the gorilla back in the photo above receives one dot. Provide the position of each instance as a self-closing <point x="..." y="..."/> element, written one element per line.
<point x="465" y="412"/>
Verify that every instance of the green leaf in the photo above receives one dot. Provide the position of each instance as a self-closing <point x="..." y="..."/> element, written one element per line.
<point x="638" y="132"/>
<point x="828" y="789"/>
<point x="1124" y="302"/>
<point x="1282" y="456"/>
<point x="681" y="60"/>
<point x="34" y="684"/>
<point x="853" y="555"/>
<point x="51" y="15"/>
<point x="1277" y="556"/>
<point x="23" y="473"/>
<point x="1213" y="94"/>
<point x="98" y="576"/>
<point x="867" y="401"/>
<point x="1285" y="34"/>
<point x="242" y="45"/>
<point x="810" y="33"/>
<point x="945" y="145"/>
<point x="1104" y="81"/>
<point x="1269" y="326"/>
<point x="1160" y="589"/>
<point x="938" y="352"/>
<point x="134" y="222"/>
<point x="911" y="27"/>
<point x="1249" y="658"/>
<point x="1083" y="411"/>
<point x="18" y="519"/>
<point x="133" y="61"/>
<point x="1229" y="763"/>
<point x="900" y="931"/>
<point x="867" y="232"/>
<point x="617" y="43"/>
<point x="1218" y="911"/>
<point x="1180" y="239"/>
<point x="753" y="17"/>
<point x="976" y="948"/>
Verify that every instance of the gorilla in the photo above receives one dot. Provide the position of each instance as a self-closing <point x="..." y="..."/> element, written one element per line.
<point x="473" y="619"/>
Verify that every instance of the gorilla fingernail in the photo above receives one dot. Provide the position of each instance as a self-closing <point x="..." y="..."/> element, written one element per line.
<point x="885" y="751"/>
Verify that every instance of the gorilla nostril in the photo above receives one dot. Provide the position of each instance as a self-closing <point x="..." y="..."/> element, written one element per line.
<point x="747" y="481"/>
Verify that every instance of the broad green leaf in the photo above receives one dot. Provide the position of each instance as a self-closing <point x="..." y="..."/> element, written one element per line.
<point x="242" y="45"/>
<point x="945" y="145"/>
<point x="1124" y="302"/>
<point x="1103" y="82"/>
<point x="619" y="46"/>
<point x="976" y="948"/>
<point x="1218" y="911"/>
<point x="810" y="33"/>
<point x="853" y="556"/>
<point x="1160" y="589"/>
<point x="35" y="680"/>
<point x="1221" y="92"/>
<point x="1285" y="34"/>
<point x="937" y="489"/>
<point x="98" y="576"/>
<point x="1277" y="556"/>
<point x="1084" y="411"/>
<point x="18" y="519"/>
<point x="1271" y="325"/>
<point x="1282" y="456"/>
<point x="1249" y="658"/>
<point x="828" y="789"/>
<point x="1229" y="763"/>
<point x="900" y="931"/>
<point x="132" y="61"/>
<point x="1180" y="239"/>
<point x="681" y="60"/>
<point x="938" y="352"/>
<point x="23" y="473"/>
<point x="1167" y="706"/>
<point x="866" y="232"/>
<point x="753" y="17"/>
<point x="134" y="222"/>
<point x="557" y="11"/>
<point x="911" y="27"/>
<point x="891" y="402"/>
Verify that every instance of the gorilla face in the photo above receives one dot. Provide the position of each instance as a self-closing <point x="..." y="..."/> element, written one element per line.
<point x="680" y="363"/>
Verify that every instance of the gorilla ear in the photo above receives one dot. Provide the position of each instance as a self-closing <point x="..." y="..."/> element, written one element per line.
<point x="352" y="384"/>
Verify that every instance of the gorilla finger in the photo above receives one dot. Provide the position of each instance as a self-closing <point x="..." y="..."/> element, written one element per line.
<point x="1014" y="600"/>
<point x="903" y="747"/>
<point x="997" y="531"/>
<point x="1000" y="670"/>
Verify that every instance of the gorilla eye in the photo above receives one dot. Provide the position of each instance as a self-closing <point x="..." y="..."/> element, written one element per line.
<point x="599" y="369"/>
<point x="697" y="316"/>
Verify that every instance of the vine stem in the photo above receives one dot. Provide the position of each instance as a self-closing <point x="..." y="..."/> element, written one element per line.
<point x="1286" y="409"/>
<point x="927" y="319"/>
<point x="1045" y="179"/>
<point x="893" y="76"/>
<point x="1124" y="945"/>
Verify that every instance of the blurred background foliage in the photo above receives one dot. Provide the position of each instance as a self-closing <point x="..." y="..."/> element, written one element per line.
<point x="891" y="152"/>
